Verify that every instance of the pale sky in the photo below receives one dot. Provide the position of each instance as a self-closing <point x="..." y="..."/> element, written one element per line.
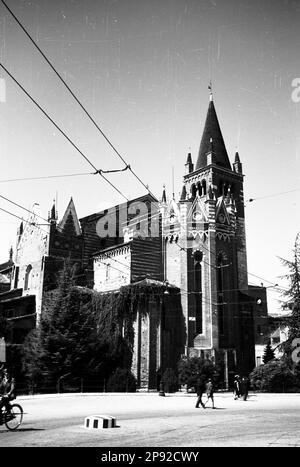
<point x="142" y="69"/>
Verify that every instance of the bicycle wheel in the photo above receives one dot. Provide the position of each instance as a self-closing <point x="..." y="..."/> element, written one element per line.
<point x="14" y="417"/>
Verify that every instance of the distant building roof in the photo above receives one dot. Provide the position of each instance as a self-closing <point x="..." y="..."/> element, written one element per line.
<point x="4" y="279"/>
<point x="7" y="265"/>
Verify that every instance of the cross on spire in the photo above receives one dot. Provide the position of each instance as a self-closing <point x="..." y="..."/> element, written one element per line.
<point x="210" y="91"/>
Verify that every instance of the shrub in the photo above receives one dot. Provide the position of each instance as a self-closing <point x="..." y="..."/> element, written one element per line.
<point x="275" y="376"/>
<point x="121" y="380"/>
<point x="190" y="369"/>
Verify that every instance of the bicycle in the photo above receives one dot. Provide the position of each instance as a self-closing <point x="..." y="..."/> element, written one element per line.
<point x="11" y="416"/>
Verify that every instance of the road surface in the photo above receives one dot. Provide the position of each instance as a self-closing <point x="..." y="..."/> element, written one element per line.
<point x="149" y="420"/>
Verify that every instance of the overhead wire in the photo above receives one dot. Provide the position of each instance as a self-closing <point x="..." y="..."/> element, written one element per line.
<point x="21" y="218"/>
<point x="45" y="177"/>
<point x="76" y="98"/>
<point x="61" y="131"/>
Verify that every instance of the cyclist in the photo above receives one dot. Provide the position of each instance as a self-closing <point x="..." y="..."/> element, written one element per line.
<point x="7" y="391"/>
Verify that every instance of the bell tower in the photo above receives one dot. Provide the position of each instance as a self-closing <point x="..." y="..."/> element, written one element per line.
<point x="212" y="236"/>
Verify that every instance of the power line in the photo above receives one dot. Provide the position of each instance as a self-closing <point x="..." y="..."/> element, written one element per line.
<point x="10" y="213"/>
<point x="60" y="176"/>
<point x="18" y="217"/>
<point x="61" y="131"/>
<point x="76" y="98"/>
<point x="22" y="207"/>
<point x="36" y="215"/>
<point x="213" y="253"/>
<point x="250" y="200"/>
<point x="44" y="177"/>
<point x="113" y="259"/>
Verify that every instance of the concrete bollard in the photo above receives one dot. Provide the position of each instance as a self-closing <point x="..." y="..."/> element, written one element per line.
<point x="100" y="422"/>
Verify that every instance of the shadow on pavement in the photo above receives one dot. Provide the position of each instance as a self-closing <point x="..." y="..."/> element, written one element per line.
<point x="29" y="429"/>
<point x="216" y="408"/>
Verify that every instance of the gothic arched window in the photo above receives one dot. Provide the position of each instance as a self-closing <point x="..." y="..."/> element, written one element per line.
<point x="198" y="290"/>
<point x="220" y="289"/>
<point x="27" y="277"/>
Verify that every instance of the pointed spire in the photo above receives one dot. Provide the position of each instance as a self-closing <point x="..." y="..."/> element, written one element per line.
<point x="210" y="91"/>
<point x="183" y="194"/>
<point x="21" y="228"/>
<point x="189" y="158"/>
<point x="212" y="131"/>
<point x="189" y="166"/>
<point x="237" y="166"/>
<point x="52" y="216"/>
<point x="164" y="196"/>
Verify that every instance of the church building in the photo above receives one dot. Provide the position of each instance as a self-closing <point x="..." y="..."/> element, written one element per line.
<point x="205" y="254"/>
<point x="195" y="247"/>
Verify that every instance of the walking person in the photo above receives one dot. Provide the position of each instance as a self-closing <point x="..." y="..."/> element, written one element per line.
<point x="209" y="389"/>
<point x="200" y="389"/>
<point x="245" y="387"/>
<point x="237" y="387"/>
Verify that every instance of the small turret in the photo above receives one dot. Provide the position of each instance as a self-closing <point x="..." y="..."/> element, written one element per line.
<point x="189" y="166"/>
<point x="52" y="215"/>
<point x="183" y="194"/>
<point x="11" y="253"/>
<point x="237" y="166"/>
<point x="20" y="232"/>
<point x="164" y="196"/>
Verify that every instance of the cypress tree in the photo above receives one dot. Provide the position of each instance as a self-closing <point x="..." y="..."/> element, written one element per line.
<point x="268" y="353"/>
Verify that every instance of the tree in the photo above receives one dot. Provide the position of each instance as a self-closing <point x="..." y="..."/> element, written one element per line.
<point x="268" y="353"/>
<point x="275" y="376"/>
<point x="122" y="380"/>
<point x="190" y="369"/>
<point x="293" y="303"/>
<point x="5" y="327"/>
<point x="66" y="340"/>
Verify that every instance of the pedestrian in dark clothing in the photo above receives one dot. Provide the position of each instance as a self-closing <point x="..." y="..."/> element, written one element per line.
<point x="209" y="389"/>
<point x="200" y="390"/>
<point x="245" y="387"/>
<point x="237" y="387"/>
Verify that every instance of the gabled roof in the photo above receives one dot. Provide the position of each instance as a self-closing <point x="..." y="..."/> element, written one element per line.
<point x="212" y="131"/>
<point x="70" y="219"/>
<point x="99" y="214"/>
<point x="7" y="265"/>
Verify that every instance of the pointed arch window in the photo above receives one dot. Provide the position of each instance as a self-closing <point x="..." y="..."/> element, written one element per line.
<point x="220" y="289"/>
<point x="28" y="274"/>
<point x="16" y="279"/>
<point x="198" y="255"/>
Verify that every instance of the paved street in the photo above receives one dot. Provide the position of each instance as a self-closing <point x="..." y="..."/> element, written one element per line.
<point x="148" y="420"/>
